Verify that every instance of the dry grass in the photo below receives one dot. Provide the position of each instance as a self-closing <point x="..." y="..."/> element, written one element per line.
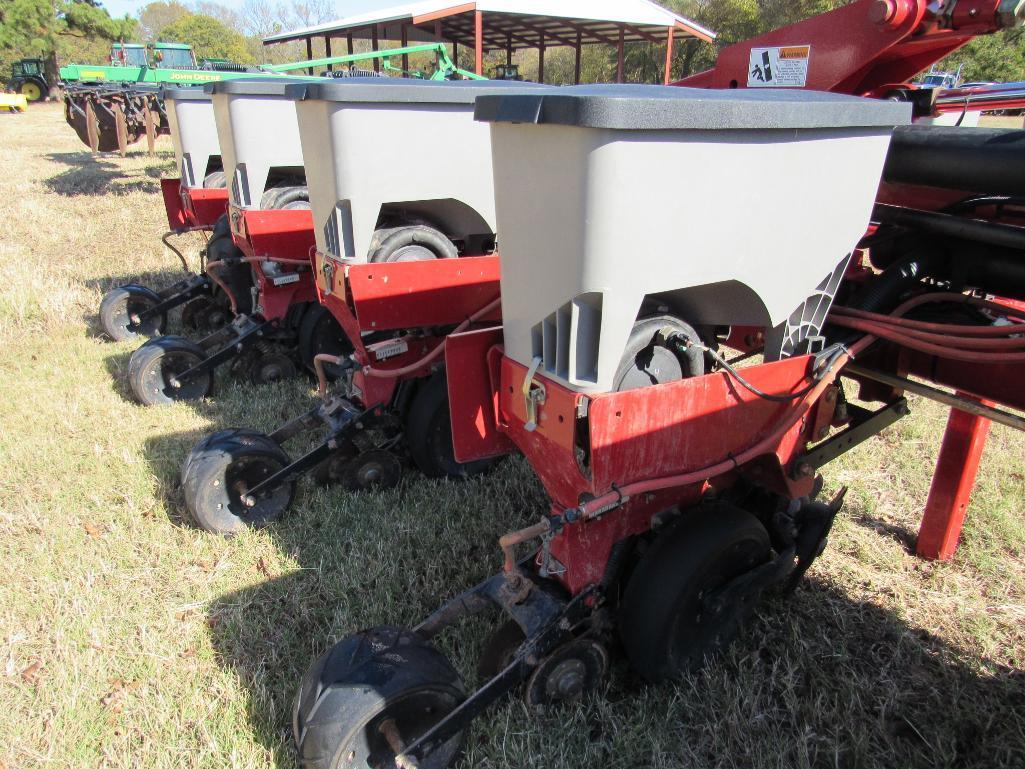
<point x="130" y="639"/>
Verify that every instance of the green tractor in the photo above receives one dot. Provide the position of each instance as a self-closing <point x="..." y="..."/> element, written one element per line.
<point x="29" y="79"/>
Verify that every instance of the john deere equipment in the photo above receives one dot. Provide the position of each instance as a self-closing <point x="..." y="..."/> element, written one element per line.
<point x="112" y="106"/>
<point x="29" y="79"/>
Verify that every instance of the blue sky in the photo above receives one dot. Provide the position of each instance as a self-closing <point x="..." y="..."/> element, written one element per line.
<point x="345" y="7"/>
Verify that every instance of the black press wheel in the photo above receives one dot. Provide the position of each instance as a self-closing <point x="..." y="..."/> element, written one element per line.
<point x="211" y="438"/>
<point x="222" y="469"/>
<point x="429" y="434"/>
<point x="153" y="370"/>
<point x="118" y="307"/>
<point x="666" y="628"/>
<point x="384" y="677"/>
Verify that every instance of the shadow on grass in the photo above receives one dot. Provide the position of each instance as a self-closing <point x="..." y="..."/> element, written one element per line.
<point x="95" y="175"/>
<point x="818" y="680"/>
<point x="908" y="539"/>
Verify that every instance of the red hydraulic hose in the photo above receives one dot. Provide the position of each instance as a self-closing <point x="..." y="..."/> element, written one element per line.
<point x="884" y="331"/>
<point x="945" y="328"/>
<point x="221" y="284"/>
<point x="595" y="506"/>
<point x="971" y="344"/>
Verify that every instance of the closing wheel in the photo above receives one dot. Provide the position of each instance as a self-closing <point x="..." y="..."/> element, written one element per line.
<point x="429" y="434"/>
<point x="204" y="313"/>
<point x="320" y="333"/>
<point x="649" y="359"/>
<point x="153" y="370"/>
<point x="376" y="469"/>
<point x="499" y="650"/>
<point x="567" y="673"/>
<point x="270" y="367"/>
<point x="331" y="470"/>
<point x="121" y="305"/>
<point x="219" y="472"/>
<point x="666" y="629"/>
<point x="368" y="685"/>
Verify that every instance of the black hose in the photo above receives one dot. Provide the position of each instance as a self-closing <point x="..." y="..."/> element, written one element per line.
<point x="978" y="159"/>
<point x="947" y="226"/>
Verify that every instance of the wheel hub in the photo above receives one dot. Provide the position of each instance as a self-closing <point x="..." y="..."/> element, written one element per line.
<point x="568" y="673"/>
<point x="567" y="680"/>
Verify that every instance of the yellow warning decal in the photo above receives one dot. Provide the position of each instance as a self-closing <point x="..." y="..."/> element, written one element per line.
<point x="796" y="52"/>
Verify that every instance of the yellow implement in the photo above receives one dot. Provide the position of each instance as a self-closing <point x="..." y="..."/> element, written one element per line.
<point x="13" y="102"/>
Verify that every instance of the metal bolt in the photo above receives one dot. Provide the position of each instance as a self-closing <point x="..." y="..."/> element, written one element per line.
<point x="804" y="470"/>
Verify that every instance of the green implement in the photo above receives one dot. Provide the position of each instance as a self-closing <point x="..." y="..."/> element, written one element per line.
<point x="444" y="69"/>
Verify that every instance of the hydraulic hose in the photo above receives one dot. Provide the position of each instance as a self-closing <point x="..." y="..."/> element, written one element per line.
<point x="222" y="284"/>
<point x="597" y="506"/>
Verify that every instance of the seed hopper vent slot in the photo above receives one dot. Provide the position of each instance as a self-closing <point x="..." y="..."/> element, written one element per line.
<point x="568" y="340"/>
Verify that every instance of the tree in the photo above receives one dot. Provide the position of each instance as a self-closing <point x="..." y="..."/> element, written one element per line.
<point x="40" y="28"/>
<point x="155" y="17"/>
<point x="996" y="58"/>
<point x="209" y="38"/>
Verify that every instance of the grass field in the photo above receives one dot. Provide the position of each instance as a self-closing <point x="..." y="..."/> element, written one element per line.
<point x="130" y="639"/>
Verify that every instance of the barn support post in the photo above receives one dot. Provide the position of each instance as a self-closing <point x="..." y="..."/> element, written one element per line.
<point x="309" y="53"/>
<point x="669" y="57"/>
<point x="508" y="50"/>
<point x="348" y="43"/>
<point x="373" y="43"/>
<point x="478" y="42"/>
<point x="541" y="58"/>
<point x="576" y="63"/>
<point x="952" y="483"/>
<point x="619" y="54"/>
<point x="327" y="51"/>
<point x="405" y="42"/>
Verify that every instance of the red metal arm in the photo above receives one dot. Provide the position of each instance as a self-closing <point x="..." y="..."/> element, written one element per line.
<point x="870" y="46"/>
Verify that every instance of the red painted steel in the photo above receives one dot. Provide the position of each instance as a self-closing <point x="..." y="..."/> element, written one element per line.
<point x="204" y="206"/>
<point x="277" y="235"/>
<point x="960" y="455"/>
<point x="394" y="295"/>
<point x="473" y="400"/>
<point x="862" y="48"/>
<point x="171" y="192"/>
<point x="641" y="434"/>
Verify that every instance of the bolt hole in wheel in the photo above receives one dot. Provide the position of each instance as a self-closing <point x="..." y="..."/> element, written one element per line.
<point x="220" y="472"/>
<point x="121" y="307"/>
<point x="154" y="370"/>
<point x="369" y="684"/>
